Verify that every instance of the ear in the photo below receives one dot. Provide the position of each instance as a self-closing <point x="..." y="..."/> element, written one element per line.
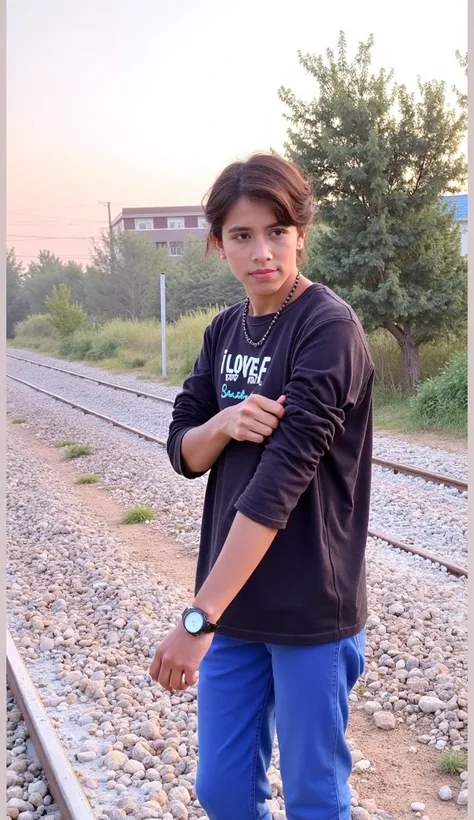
<point x="301" y="238"/>
<point x="219" y="247"/>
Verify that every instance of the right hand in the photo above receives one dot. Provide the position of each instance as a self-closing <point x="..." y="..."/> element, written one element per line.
<point x="254" y="419"/>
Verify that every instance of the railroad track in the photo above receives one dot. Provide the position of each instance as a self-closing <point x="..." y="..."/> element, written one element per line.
<point x="454" y="569"/>
<point x="64" y="786"/>
<point x="405" y="469"/>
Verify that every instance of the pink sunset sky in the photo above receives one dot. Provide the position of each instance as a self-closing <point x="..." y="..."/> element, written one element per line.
<point x="144" y="103"/>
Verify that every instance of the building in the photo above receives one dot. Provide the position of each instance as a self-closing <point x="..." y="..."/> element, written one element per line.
<point x="458" y="204"/>
<point x="166" y="227"/>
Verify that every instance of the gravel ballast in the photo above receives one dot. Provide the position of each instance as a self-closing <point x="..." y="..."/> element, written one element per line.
<point x="86" y="622"/>
<point x="417" y="512"/>
<point x="28" y="796"/>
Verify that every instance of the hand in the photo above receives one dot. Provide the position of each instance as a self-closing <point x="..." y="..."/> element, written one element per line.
<point x="178" y="657"/>
<point x="254" y="419"/>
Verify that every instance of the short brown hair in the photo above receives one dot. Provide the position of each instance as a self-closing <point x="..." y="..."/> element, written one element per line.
<point x="266" y="177"/>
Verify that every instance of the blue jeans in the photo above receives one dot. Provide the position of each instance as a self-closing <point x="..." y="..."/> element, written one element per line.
<point x="245" y="691"/>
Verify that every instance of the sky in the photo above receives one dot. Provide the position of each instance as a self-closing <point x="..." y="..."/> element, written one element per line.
<point x="143" y="104"/>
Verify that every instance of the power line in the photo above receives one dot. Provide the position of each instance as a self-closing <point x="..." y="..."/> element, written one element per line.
<point x="31" y="236"/>
<point x="34" y="210"/>
<point x="73" y="258"/>
<point x="56" y="221"/>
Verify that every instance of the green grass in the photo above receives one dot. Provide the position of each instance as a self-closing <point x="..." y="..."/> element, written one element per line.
<point x="87" y="478"/>
<point x="395" y="414"/>
<point x="392" y="412"/>
<point x="442" y="402"/>
<point x="77" y="450"/>
<point x="18" y="421"/>
<point x="452" y="761"/>
<point x="137" y="515"/>
<point x="65" y="443"/>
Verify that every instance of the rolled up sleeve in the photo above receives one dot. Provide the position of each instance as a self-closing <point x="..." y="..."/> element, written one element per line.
<point x="330" y="370"/>
<point x="195" y="405"/>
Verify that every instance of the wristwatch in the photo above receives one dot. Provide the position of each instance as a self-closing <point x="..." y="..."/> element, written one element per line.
<point x="195" y="621"/>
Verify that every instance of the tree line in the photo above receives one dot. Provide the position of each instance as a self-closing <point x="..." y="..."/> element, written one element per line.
<point x="379" y="158"/>
<point x="132" y="291"/>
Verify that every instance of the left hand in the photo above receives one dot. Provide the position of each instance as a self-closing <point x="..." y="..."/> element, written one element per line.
<point x="178" y="657"/>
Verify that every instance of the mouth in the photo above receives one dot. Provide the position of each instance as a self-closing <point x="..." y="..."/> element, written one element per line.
<point x="263" y="273"/>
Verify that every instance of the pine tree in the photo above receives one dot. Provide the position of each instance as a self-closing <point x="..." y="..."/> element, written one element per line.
<point x="380" y="158"/>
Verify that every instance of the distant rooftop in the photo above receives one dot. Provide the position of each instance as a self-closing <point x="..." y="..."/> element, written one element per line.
<point x="458" y="204"/>
<point x="170" y="210"/>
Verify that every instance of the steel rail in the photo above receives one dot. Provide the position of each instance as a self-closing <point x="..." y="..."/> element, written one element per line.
<point x="453" y="568"/>
<point x="103" y="383"/>
<point x="405" y="469"/>
<point x="65" y="788"/>
<point x="90" y="412"/>
<point x="417" y="472"/>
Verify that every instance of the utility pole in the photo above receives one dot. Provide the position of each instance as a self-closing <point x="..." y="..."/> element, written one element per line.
<point x="111" y="238"/>
<point x="163" y="323"/>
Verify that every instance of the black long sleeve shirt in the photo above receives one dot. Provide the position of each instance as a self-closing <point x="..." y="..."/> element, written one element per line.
<point x="311" y="477"/>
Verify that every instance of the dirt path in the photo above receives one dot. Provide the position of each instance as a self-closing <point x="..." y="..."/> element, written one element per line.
<point x="401" y="776"/>
<point x="439" y="441"/>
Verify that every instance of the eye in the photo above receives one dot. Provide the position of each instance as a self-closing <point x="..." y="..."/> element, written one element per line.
<point x="279" y="232"/>
<point x="241" y="236"/>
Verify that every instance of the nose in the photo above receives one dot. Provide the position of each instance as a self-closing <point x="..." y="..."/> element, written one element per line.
<point x="261" y="250"/>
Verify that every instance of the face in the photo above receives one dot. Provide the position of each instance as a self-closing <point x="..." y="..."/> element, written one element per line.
<point x="261" y="252"/>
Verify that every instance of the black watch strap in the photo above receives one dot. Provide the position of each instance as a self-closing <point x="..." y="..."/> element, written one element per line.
<point x="207" y="625"/>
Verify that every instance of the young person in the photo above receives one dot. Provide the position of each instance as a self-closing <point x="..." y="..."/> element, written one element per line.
<point x="279" y="409"/>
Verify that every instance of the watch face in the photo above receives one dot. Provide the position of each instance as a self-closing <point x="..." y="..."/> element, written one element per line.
<point x="194" y="622"/>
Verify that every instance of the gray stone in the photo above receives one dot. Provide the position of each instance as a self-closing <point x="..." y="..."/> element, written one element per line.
<point x="86" y="757"/>
<point x="36" y="799"/>
<point x="385" y="720"/>
<point x="178" y="810"/>
<point x="429" y="705"/>
<point x="462" y="798"/>
<point x="133" y="766"/>
<point x="362" y="765"/>
<point x="372" y="706"/>
<point x="358" y="813"/>
<point x="115" y="760"/>
<point x="22" y="805"/>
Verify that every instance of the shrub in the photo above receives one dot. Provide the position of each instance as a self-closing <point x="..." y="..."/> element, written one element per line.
<point x="134" y="362"/>
<point x="184" y="340"/>
<point x="63" y="315"/>
<point x="442" y="401"/>
<point x="452" y="761"/>
<point x="103" y="348"/>
<point x="138" y="515"/>
<point x="87" y="478"/>
<point x="135" y="336"/>
<point x="77" y="450"/>
<point x="36" y="326"/>
<point x="77" y="346"/>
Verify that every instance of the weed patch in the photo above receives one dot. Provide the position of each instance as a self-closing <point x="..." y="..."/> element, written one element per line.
<point x="138" y="515"/>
